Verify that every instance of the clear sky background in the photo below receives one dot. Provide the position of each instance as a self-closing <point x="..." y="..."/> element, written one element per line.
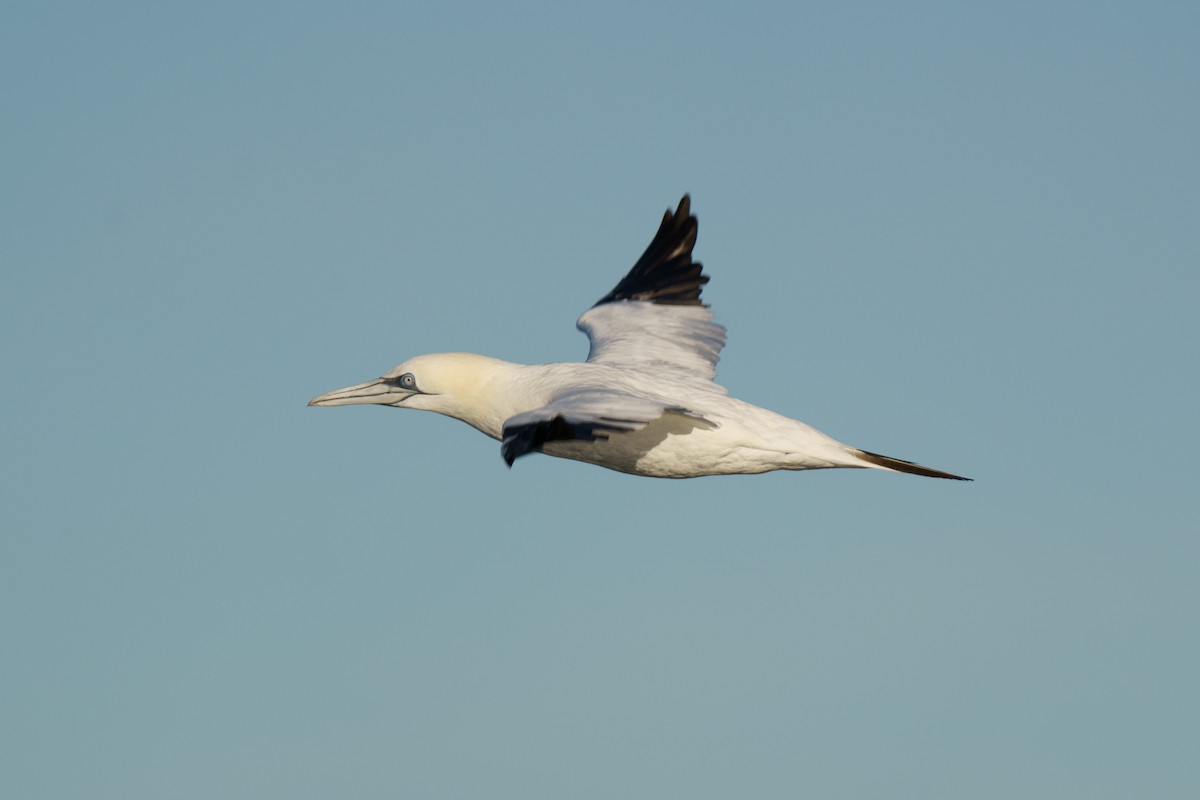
<point x="962" y="234"/>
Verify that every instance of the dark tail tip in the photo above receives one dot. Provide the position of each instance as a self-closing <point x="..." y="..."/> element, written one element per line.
<point x="906" y="466"/>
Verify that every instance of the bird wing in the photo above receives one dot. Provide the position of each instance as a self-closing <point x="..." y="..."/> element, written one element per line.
<point x="582" y="415"/>
<point x="653" y="319"/>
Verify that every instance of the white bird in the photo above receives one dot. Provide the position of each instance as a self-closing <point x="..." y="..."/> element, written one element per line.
<point x="644" y="402"/>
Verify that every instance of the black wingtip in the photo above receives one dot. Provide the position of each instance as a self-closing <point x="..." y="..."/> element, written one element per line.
<point x="684" y="209"/>
<point x="665" y="273"/>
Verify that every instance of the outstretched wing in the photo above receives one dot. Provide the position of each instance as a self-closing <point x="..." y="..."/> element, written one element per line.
<point x="582" y="415"/>
<point x="653" y="319"/>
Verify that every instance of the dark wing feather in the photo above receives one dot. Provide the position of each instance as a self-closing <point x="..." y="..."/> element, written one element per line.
<point x="528" y="437"/>
<point x="581" y="415"/>
<point x="665" y="273"/>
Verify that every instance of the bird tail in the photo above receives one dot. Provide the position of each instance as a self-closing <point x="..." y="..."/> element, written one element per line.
<point x="896" y="465"/>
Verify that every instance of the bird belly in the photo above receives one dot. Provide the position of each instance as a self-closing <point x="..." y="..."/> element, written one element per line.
<point x="681" y="446"/>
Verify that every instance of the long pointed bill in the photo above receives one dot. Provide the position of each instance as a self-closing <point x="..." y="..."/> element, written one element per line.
<point x="378" y="392"/>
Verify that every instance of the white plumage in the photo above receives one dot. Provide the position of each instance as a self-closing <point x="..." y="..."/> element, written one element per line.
<point x="644" y="402"/>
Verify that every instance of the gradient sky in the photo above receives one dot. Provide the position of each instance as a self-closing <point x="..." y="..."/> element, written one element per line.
<point x="962" y="234"/>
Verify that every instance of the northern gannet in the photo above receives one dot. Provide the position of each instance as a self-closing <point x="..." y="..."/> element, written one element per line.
<point x="644" y="402"/>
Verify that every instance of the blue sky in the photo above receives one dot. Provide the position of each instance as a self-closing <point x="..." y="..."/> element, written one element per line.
<point x="964" y="235"/>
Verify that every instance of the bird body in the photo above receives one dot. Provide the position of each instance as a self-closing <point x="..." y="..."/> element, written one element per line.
<point x="644" y="402"/>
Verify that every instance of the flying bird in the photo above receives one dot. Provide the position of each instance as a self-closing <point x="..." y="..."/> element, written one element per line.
<point x="645" y="401"/>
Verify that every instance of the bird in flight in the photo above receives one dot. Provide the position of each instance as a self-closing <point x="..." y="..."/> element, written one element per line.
<point x="644" y="402"/>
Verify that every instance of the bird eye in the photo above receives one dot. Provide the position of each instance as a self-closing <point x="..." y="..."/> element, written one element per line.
<point x="408" y="381"/>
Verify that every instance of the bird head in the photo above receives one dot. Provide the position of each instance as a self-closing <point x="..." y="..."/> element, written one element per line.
<point x="454" y="384"/>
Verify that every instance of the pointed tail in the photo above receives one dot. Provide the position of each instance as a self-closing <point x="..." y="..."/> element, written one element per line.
<point x="897" y="465"/>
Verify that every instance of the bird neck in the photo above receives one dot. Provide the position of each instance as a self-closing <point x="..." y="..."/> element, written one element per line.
<point x="486" y="392"/>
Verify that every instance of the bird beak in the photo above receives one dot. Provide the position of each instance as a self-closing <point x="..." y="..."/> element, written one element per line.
<point x="377" y="392"/>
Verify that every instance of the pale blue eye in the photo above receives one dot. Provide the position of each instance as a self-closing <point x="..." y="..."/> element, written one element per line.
<point x="408" y="381"/>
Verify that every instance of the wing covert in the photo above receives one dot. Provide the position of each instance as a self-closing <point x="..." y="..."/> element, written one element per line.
<point x="647" y="336"/>
<point x="583" y="415"/>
